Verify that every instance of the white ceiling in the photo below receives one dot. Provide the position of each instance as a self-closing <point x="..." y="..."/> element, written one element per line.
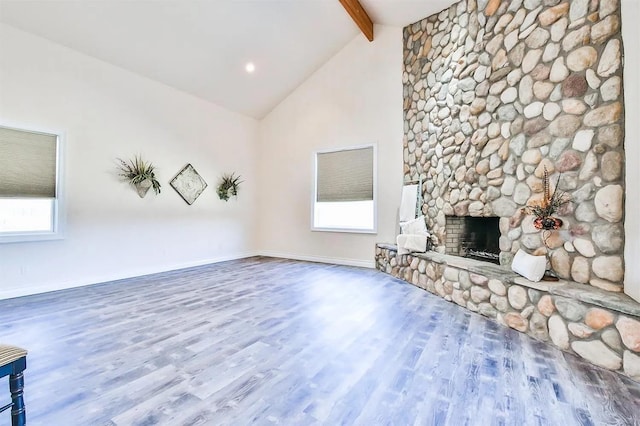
<point x="202" y="46"/>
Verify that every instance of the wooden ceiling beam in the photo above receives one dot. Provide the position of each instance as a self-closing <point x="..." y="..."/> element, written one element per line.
<point x="359" y="16"/>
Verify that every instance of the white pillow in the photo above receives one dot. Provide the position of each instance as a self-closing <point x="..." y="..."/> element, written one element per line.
<point x="415" y="226"/>
<point x="530" y="267"/>
<point x="408" y="243"/>
<point x="400" y="240"/>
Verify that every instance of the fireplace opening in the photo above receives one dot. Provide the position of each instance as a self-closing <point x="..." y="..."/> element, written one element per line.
<point x="474" y="237"/>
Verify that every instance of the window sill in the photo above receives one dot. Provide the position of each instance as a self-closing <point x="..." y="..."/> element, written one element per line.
<point x="26" y="237"/>
<point x="346" y="230"/>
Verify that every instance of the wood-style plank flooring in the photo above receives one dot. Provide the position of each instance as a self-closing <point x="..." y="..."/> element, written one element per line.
<point x="271" y="341"/>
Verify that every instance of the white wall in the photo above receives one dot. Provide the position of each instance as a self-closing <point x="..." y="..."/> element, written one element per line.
<point x="107" y="112"/>
<point x="630" y="36"/>
<point x="354" y="99"/>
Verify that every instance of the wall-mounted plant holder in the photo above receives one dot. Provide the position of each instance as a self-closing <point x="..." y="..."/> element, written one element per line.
<point x="544" y="210"/>
<point x="228" y="186"/>
<point x="140" y="174"/>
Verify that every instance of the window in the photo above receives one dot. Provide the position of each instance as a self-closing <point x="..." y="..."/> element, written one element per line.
<point x="29" y="185"/>
<point x="345" y="190"/>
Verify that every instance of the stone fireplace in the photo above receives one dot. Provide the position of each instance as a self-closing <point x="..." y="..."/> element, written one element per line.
<point x="473" y="237"/>
<point x="495" y="93"/>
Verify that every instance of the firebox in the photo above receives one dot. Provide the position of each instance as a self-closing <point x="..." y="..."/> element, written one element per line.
<point x="474" y="237"/>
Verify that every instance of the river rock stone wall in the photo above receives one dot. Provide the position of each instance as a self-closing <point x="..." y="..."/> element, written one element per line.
<point x="495" y="91"/>
<point x="574" y="318"/>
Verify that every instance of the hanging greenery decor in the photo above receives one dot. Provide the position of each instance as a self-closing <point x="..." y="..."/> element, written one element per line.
<point x="140" y="174"/>
<point x="228" y="186"/>
<point x="551" y="202"/>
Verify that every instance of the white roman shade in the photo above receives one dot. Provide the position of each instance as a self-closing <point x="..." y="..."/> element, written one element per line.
<point x="27" y="164"/>
<point x="345" y="175"/>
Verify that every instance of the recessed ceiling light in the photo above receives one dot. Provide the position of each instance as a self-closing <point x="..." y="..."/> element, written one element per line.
<point x="250" y="67"/>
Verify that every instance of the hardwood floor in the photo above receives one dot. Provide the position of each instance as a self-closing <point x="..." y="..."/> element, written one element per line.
<point x="271" y="341"/>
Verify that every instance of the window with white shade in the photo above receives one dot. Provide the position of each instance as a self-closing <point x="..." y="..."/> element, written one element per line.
<point x="30" y="207"/>
<point x="345" y="190"/>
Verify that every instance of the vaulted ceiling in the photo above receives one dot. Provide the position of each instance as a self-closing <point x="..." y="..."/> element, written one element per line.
<point x="202" y="46"/>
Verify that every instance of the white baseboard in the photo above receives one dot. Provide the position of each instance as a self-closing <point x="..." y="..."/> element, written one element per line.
<point x="321" y="259"/>
<point x="98" y="279"/>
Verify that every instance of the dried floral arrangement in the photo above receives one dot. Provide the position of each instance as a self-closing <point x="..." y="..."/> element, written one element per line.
<point x="228" y="186"/>
<point x="139" y="173"/>
<point x="552" y="200"/>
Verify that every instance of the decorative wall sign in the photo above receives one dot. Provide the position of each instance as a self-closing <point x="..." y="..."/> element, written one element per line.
<point x="189" y="184"/>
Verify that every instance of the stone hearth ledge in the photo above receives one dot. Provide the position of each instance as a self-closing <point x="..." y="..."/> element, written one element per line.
<point x="618" y="302"/>
<point x="599" y="326"/>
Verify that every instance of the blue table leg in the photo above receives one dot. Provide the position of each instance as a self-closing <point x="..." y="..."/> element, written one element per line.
<point x="16" y="386"/>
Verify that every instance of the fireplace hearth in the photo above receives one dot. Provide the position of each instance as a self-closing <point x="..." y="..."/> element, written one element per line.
<point x="473" y="237"/>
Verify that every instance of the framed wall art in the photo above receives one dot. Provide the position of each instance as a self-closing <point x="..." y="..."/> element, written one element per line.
<point x="189" y="184"/>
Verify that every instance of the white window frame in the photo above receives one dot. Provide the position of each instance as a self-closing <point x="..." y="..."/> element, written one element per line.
<point x="58" y="205"/>
<point x="314" y="180"/>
